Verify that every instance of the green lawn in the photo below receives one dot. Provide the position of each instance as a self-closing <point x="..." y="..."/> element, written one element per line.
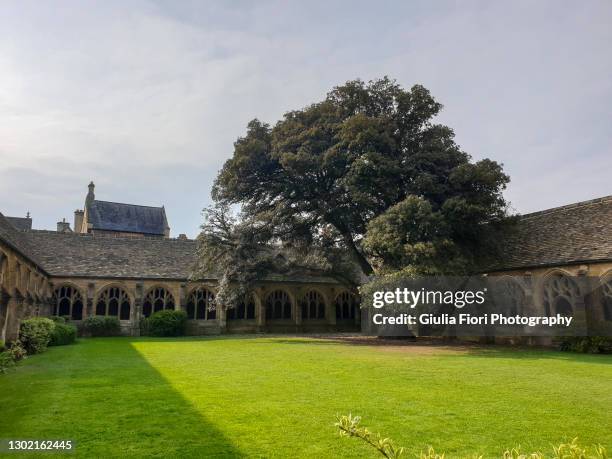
<point x="278" y="396"/>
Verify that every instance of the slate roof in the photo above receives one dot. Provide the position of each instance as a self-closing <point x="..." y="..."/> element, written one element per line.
<point x="17" y="240"/>
<point x="86" y="255"/>
<point x="576" y="233"/>
<point x="128" y="218"/>
<point x="20" y="223"/>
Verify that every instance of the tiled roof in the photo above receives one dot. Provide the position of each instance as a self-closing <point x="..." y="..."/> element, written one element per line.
<point x="17" y="240"/>
<point x="129" y="218"/>
<point x="20" y="223"/>
<point x="580" y="232"/>
<point x="86" y="255"/>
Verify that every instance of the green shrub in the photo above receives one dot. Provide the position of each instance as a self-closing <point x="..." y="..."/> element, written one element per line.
<point x="167" y="323"/>
<point x="587" y="344"/>
<point x="58" y="319"/>
<point x="63" y="334"/>
<point x="17" y="351"/>
<point x="35" y="334"/>
<point x="102" y="326"/>
<point x="6" y="361"/>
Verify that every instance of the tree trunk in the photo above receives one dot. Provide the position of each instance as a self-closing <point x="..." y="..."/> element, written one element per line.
<point x="357" y="255"/>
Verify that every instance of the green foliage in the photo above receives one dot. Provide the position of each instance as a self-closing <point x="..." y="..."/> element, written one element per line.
<point x="6" y="361"/>
<point x="167" y="323"/>
<point x="321" y="174"/>
<point x="349" y="427"/>
<point x="17" y="351"/>
<point x="35" y="334"/>
<point x="102" y="326"/>
<point x="59" y="319"/>
<point x="238" y="253"/>
<point x="587" y="344"/>
<point x="63" y="334"/>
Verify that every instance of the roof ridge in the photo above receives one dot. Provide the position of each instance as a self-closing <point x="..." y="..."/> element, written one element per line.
<point x="126" y="204"/>
<point x="567" y="206"/>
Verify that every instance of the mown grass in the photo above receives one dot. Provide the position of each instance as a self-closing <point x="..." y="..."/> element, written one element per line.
<point x="275" y="396"/>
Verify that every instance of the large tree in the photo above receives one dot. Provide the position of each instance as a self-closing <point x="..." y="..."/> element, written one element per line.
<point x="368" y="154"/>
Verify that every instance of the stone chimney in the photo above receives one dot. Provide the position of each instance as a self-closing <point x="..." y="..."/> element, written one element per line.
<point x="182" y="237"/>
<point x="90" y="194"/>
<point x="63" y="227"/>
<point x="78" y="220"/>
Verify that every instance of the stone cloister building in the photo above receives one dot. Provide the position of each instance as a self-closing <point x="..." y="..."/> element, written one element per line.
<point x="121" y="262"/>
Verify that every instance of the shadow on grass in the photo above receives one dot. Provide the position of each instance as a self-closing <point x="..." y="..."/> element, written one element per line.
<point x="106" y="397"/>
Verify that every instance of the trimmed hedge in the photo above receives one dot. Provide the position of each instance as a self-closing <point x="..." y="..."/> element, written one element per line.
<point x="63" y="334"/>
<point x="102" y="326"/>
<point x="167" y="323"/>
<point x="35" y="334"/>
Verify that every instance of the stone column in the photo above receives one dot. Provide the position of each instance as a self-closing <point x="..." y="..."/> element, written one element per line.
<point x="222" y="318"/>
<point x="136" y="314"/>
<point x="330" y="312"/>
<point x="297" y="311"/>
<point x="89" y="299"/>
<point x="14" y="315"/>
<point x="4" y="299"/>
<point x="260" y="310"/>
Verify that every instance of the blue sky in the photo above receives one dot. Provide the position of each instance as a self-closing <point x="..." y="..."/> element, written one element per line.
<point x="146" y="97"/>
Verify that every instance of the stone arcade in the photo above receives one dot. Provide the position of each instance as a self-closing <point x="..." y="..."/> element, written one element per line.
<point x="119" y="260"/>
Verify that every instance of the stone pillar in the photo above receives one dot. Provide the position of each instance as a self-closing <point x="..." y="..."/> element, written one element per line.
<point x="330" y="312"/>
<point x="260" y="310"/>
<point x="89" y="299"/>
<point x="182" y="298"/>
<point x="14" y="315"/>
<point x="136" y="313"/>
<point x="4" y="299"/>
<point x="222" y="318"/>
<point x="297" y="311"/>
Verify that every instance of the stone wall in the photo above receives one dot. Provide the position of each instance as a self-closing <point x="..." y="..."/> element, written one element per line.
<point x="25" y="291"/>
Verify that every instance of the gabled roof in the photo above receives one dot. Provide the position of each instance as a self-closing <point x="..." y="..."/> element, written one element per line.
<point x="572" y="234"/>
<point x="17" y="240"/>
<point x="128" y="218"/>
<point x="20" y="223"/>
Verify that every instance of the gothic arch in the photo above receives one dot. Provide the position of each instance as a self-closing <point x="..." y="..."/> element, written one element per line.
<point x="279" y="305"/>
<point x="606" y="296"/>
<point x="201" y="304"/>
<point x="3" y="270"/>
<point x="67" y="300"/>
<point x="113" y="300"/>
<point x="313" y="305"/>
<point x="559" y="293"/>
<point x="156" y="299"/>
<point x="245" y="310"/>
<point x="346" y="304"/>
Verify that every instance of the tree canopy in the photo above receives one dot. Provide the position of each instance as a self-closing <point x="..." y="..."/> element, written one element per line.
<point x="368" y="170"/>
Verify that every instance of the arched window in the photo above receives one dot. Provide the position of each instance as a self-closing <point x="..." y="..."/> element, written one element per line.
<point x="560" y="295"/>
<point x="511" y="296"/>
<point x="157" y="299"/>
<point x="278" y="305"/>
<point x="113" y="301"/>
<point x="312" y="306"/>
<point x="67" y="301"/>
<point x="607" y="299"/>
<point x="346" y="306"/>
<point x="201" y="305"/>
<point x="244" y="310"/>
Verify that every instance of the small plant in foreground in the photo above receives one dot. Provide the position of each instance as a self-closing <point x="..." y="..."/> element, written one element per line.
<point x="349" y="427"/>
